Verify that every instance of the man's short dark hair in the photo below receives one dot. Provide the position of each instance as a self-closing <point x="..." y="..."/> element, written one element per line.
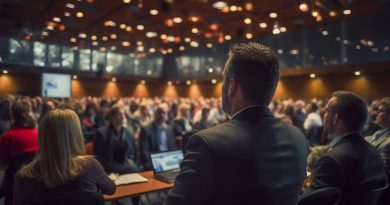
<point x="351" y="109"/>
<point x="256" y="69"/>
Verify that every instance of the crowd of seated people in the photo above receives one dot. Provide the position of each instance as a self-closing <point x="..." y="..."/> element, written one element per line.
<point x="124" y="130"/>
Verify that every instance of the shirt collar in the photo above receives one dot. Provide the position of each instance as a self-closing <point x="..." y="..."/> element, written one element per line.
<point x="337" y="139"/>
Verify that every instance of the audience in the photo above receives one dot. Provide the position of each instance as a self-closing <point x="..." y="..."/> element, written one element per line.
<point x="381" y="140"/>
<point x="351" y="164"/>
<point x="17" y="145"/>
<point x="157" y="136"/>
<point x="114" y="144"/>
<point x="61" y="167"/>
<point x="5" y="114"/>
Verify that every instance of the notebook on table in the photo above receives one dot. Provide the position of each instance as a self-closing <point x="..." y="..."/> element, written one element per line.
<point x="166" y="165"/>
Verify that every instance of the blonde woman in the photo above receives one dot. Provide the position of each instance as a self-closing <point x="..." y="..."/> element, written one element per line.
<point x="60" y="167"/>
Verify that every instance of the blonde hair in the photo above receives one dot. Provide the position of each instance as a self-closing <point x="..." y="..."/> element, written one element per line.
<point x="61" y="154"/>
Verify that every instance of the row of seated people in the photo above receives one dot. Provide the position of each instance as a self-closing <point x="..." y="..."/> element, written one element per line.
<point x="114" y="144"/>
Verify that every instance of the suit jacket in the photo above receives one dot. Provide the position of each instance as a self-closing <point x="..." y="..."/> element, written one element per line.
<point x="252" y="159"/>
<point x="103" y="149"/>
<point x="149" y="142"/>
<point x="352" y="165"/>
<point x="383" y="146"/>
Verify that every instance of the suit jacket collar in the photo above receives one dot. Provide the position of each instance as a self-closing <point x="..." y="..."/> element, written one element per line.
<point x="351" y="136"/>
<point x="258" y="111"/>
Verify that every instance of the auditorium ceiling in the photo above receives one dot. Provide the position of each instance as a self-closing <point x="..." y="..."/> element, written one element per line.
<point x="127" y="25"/>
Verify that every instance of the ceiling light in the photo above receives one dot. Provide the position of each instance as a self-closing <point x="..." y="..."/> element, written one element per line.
<point x="140" y="48"/>
<point x="151" y="34"/>
<point x="358" y="47"/>
<point x="140" y="27"/>
<point x="169" y="50"/>
<point x="325" y="33"/>
<point x="79" y="14"/>
<point x="74" y="77"/>
<point x="314" y="13"/>
<point x="233" y="8"/>
<point x="194" y="19"/>
<point x="347" y="12"/>
<point x="5" y="71"/>
<point x="303" y="7"/>
<point x="139" y="43"/>
<point x="122" y="26"/>
<point x="73" y="40"/>
<point x="213" y="81"/>
<point x="163" y="36"/>
<point x="113" y="48"/>
<point x="153" y="12"/>
<point x="56" y="19"/>
<point x="177" y="20"/>
<point x="332" y="13"/>
<point x="95" y="43"/>
<point x="187" y="40"/>
<point x="283" y="29"/>
<point x="67" y="14"/>
<point x="50" y="27"/>
<point x="219" y="4"/>
<point x="113" y="79"/>
<point x="69" y="5"/>
<point x="126" y="1"/>
<point x="44" y="33"/>
<point x="163" y="52"/>
<point x="280" y="51"/>
<point x="294" y="52"/>
<point x="228" y="37"/>
<point x="273" y="15"/>
<point x="94" y="38"/>
<point x="209" y="45"/>
<point x="125" y="43"/>
<point x="210" y="70"/>
<point x="247" y="21"/>
<point x="312" y="75"/>
<point x="194" y="30"/>
<point x="143" y="82"/>
<point x="152" y="50"/>
<point x="249" y="6"/>
<point x="182" y="48"/>
<point x="102" y="49"/>
<point x="171" y="38"/>
<point x="275" y="31"/>
<point x="104" y="38"/>
<point x="248" y="35"/>
<point x="113" y="36"/>
<point x="214" y="26"/>
<point x="263" y="25"/>
<point x="128" y="28"/>
<point x="169" y="83"/>
<point x="188" y="82"/>
<point x="82" y="35"/>
<point x="194" y="44"/>
<point x="319" y="18"/>
<point x="357" y="73"/>
<point x="109" y="23"/>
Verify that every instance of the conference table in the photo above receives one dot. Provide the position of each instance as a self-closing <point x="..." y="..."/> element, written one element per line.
<point x="137" y="189"/>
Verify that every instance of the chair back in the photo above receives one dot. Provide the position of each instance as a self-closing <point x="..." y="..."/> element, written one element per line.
<point x="323" y="196"/>
<point x="89" y="148"/>
<point x="79" y="198"/>
<point x="364" y="197"/>
<point x="13" y="165"/>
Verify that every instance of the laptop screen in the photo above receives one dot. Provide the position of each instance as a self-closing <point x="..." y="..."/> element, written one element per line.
<point x="166" y="161"/>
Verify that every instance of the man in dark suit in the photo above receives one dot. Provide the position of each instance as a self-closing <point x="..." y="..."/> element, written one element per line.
<point x="253" y="158"/>
<point x="157" y="136"/>
<point x="381" y="140"/>
<point x="352" y="164"/>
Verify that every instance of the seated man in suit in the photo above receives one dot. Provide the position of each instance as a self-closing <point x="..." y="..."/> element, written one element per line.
<point x="351" y="164"/>
<point x="252" y="159"/>
<point x="157" y="136"/>
<point x="381" y="139"/>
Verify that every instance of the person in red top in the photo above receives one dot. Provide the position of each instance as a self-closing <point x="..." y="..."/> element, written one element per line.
<point x="17" y="145"/>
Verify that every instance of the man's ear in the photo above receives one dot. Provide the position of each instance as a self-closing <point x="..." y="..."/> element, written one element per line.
<point x="233" y="86"/>
<point x="335" y="118"/>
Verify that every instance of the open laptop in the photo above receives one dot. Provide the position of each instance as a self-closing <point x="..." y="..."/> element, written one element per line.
<point x="166" y="165"/>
